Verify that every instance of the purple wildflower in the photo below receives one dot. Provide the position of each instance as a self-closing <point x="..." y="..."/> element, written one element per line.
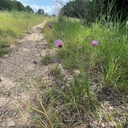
<point x="55" y="61"/>
<point x="43" y="47"/>
<point x="50" y="25"/>
<point x="34" y="61"/>
<point x="94" y="42"/>
<point x="58" y="43"/>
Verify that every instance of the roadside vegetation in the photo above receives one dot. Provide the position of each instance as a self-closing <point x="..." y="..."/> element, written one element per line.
<point x="95" y="56"/>
<point x="101" y="47"/>
<point x="13" y="25"/>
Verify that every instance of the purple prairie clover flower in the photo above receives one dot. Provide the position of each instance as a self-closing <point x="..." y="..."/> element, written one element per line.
<point x="34" y="61"/>
<point x="94" y="42"/>
<point x="58" y="43"/>
<point x="50" y="25"/>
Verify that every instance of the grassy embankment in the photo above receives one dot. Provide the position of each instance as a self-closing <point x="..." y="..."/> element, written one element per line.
<point x="13" y="25"/>
<point x="97" y="68"/>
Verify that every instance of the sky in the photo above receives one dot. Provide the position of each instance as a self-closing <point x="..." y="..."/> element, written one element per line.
<point x="50" y="6"/>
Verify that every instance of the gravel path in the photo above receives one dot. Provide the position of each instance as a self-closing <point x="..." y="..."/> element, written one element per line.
<point x="17" y="74"/>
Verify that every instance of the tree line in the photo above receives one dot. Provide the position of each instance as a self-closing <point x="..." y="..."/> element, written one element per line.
<point x="90" y="10"/>
<point x="10" y="5"/>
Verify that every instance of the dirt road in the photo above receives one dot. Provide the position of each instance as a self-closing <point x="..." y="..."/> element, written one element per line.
<point x="18" y="71"/>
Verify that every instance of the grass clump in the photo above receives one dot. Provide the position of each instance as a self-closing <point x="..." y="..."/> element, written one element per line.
<point x="13" y="25"/>
<point x="47" y="59"/>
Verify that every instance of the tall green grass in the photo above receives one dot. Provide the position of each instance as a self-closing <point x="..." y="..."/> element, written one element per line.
<point x="14" y="24"/>
<point x="109" y="56"/>
<point x="104" y="66"/>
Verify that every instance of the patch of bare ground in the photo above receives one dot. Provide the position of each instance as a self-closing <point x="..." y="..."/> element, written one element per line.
<point x="19" y="77"/>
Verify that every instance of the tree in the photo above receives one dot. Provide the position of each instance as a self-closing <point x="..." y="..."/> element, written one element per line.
<point x="13" y="5"/>
<point x="29" y="9"/>
<point x="20" y="6"/>
<point x="90" y="10"/>
<point x="5" y="4"/>
<point x="40" y="11"/>
<point x="87" y="10"/>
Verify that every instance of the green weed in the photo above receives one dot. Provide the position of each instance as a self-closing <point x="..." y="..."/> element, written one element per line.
<point x="47" y="59"/>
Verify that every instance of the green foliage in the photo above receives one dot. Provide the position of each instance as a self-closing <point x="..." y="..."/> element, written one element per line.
<point x="94" y="68"/>
<point x="87" y="10"/>
<point x="47" y="59"/>
<point x="91" y="10"/>
<point x="64" y="98"/>
<point x="14" y="5"/>
<point x="40" y="11"/>
<point x="29" y="9"/>
<point x="13" y="24"/>
<point x="108" y="59"/>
